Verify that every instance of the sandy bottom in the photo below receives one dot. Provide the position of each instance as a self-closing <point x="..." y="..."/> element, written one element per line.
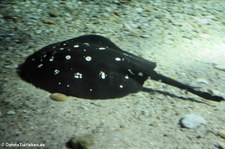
<point x="138" y="121"/>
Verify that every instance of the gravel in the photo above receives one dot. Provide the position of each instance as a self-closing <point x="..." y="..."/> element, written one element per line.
<point x="184" y="37"/>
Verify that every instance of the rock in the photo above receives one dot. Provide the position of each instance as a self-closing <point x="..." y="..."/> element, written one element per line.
<point x="222" y="146"/>
<point x="192" y="121"/>
<point x="53" y="13"/>
<point x="139" y="10"/>
<point x="221" y="133"/>
<point x="80" y="142"/>
<point x="11" y="112"/>
<point x="202" y="80"/>
<point x="59" y="97"/>
<point x="49" y="22"/>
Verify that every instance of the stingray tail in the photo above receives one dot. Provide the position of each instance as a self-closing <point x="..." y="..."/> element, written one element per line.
<point x="158" y="77"/>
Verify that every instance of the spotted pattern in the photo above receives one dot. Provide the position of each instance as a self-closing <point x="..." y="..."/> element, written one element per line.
<point x="68" y="57"/>
<point x="56" y="71"/>
<point x="87" y="66"/>
<point x="51" y="59"/>
<point x="102" y="48"/>
<point x="40" y="65"/>
<point x="78" y="75"/>
<point x="118" y="59"/>
<point x="88" y="58"/>
<point x="102" y="75"/>
<point x="126" y="77"/>
<point x="131" y="72"/>
<point x="140" y="74"/>
<point x="87" y="44"/>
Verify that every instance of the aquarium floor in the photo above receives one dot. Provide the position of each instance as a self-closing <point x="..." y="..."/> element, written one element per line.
<point x="185" y="39"/>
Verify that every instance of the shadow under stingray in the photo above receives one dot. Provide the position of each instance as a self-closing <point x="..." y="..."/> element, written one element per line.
<point x="149" y="90"/>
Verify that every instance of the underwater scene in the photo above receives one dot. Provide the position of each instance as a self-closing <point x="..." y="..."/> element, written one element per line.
<point x="113" y="74"/>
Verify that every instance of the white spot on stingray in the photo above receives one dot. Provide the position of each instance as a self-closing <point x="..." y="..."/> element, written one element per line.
<point x="87" y="44"/>
<point x="68" y="57"/>
<point x="101" y="48"/>
<point x="131" y="72"/>
<point x="76" y="46"/>
<point x="61" y="48"/>
<point x="33" y="59"/>
<point x="140" y="74"/>
<point x="45" y="55"/>
<point x="59" y="83"/>
<point x="102" y="75"/>
<point x="121" y="86"/>
<point x="40" y="65"/>
<point x="77" y="75"/>
<point x="51" y="59"/>
<point x="88" y="58"/>
<point x="67" y="85"/>
<point x="126" y="77"/>
<point x="91" y="89"/>
<point x="85" y="50"/>
<point x="56" y="71"/>
<point x="64" y="44"/>
<point x="118" y="59"/>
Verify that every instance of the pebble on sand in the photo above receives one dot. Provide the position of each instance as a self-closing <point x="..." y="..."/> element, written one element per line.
<point x="202" y="80"/>
<point x="59" y="97"/>
<point x="11" y="112"/>
<point x="221" y="133"/>
<point x="192" y="121"/>
<point x="80" y="142"/>
<point x="222" y="146"/>
<point x="49" y="22"/>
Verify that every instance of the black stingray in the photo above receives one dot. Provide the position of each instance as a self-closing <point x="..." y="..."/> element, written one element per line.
<point x="93" y="67"/>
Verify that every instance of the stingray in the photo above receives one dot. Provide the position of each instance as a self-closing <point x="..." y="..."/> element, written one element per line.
<point x="93" y="67"/>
